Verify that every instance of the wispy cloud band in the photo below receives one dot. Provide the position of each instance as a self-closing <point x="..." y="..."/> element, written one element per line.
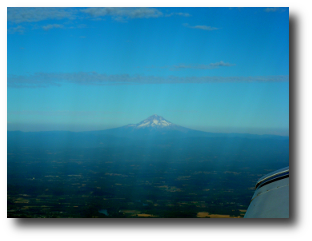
<point x="201" y="66"/>
<point x="178" y="14"/>
<point x="50" y="26"/>
<point x="190" y="66"/>
<point x="124" y="12"/>
<point x="62" y="113"/>
<point x="19" y="15"/>
<point x="202" y="27"/>
<point x="36" y="14"/>
<point x="279" y="9"/>
<point x="40" y="80"/>
<point x="18" y="29"/>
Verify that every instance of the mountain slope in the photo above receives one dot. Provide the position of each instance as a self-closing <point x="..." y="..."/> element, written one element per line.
<point x="156" y="126"/>
<point x="153" y="126"/>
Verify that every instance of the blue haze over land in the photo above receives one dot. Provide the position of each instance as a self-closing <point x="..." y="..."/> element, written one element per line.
<point x="208" y="69"/>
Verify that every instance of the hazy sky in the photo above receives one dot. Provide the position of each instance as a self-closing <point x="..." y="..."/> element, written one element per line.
<point x="211" y="69"/>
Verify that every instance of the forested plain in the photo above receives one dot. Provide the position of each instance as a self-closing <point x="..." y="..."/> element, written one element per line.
<point x="160" y="178"/>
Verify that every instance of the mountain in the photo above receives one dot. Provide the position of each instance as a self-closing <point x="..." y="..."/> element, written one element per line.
<point x="151" y="127"/>
<point x="155" y="129"/>
<point x="156" y="126"/>
<point x="156" y="123"/>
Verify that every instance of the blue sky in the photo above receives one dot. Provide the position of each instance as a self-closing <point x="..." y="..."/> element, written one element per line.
<point x="210" y="69"/>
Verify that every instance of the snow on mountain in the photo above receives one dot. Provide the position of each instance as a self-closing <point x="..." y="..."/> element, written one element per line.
<point x="153" y="126"/>
<point x="155" y="121"/>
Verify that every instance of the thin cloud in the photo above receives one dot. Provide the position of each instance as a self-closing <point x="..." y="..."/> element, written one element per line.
<point x="20" y="15"/>
<point x="50" y="26"/>
<point x="272" y="10"/>
<point x="121" y="13"/>
<point x="62" y="113"/>
<point x="220" y="64"/>
<point x="43" y="80"/>
<point x="190" y="66"/>
<point x="36" y="14"/>
<point x="178" y="14"/>
<point x="202" y="27"/>
<point x="19" y="29"/>
<point x="201" y="66"/>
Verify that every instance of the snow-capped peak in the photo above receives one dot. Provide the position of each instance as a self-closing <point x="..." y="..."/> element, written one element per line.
<point x="154" y="121"/>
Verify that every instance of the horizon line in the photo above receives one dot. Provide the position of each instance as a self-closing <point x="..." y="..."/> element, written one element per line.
<point x="240" y="133"/>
